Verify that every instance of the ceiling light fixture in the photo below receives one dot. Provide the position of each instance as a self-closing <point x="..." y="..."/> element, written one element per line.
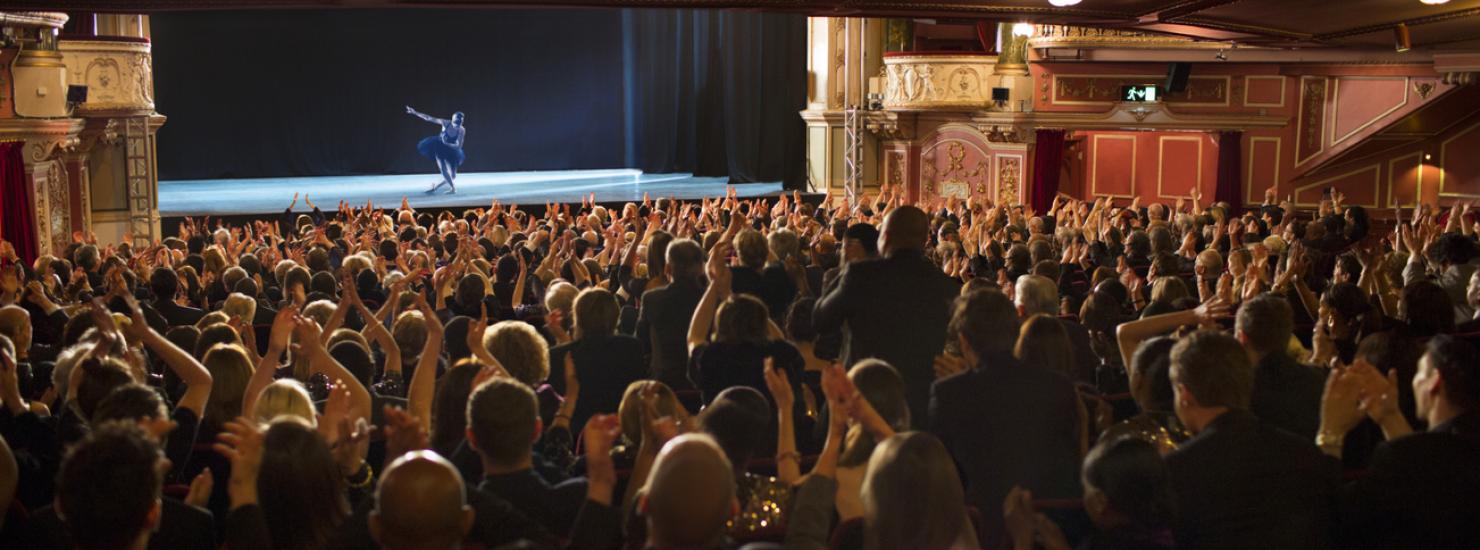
<point x="1434" y="2"/>
<point x="1402" y="41"/>
<point x="1022" y="29"/>
<point x="1066" y="3"/>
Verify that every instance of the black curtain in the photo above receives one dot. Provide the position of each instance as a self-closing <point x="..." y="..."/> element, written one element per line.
<point x="322" y="92"/>
<point x="716" y="93"/>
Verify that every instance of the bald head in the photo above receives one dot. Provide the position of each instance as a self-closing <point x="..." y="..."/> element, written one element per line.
<point x="421" y="503"/>
<point x="905" y="228"/>
<point x="15" y="323"/>
<point x="690" y="494"/>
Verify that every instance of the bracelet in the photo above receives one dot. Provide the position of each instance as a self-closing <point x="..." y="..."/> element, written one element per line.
<point x="365" y="471"/>
<point x="793" y="455"/>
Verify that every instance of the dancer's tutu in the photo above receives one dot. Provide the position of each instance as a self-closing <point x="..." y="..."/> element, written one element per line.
<point x="434" y="148"/>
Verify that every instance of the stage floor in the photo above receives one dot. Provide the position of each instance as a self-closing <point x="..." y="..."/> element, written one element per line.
<point x="271" y="195"/>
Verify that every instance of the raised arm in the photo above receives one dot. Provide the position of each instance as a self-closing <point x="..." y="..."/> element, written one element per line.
<point x="788" y="462"/>
<point x="1130" y="334"/>
<point x="195" y="376"/>
<point x="424" y="116"/>
<point x="719" y="289"/>
<point x="277" y="343"/>
<point x="319" y="359"/>
<point x="423" y="381"/>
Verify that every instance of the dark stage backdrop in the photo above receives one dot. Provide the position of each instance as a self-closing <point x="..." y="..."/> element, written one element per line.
<point x="317" y="93"/>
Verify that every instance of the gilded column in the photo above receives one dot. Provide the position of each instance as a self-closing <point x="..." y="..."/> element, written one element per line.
<point x="838" y="68"/>
<point x="117" y="68"/>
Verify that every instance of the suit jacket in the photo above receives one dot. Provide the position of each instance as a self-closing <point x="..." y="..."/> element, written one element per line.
<point x="1243" y="483"/>
<point x="663" y="326"/>
<point x="1007" y="423"/>
<point x="1287" y="395"/>
<point x="181" y="526"/>
<point x="895" y="309"/>
<point x="1421" y="491"/>
<point x="1085" y="360"/>
<point x="552" y="505"/>
<point x="605" y="365"/>
<point x="177" y="315"/>
<point x="496" y="523"/>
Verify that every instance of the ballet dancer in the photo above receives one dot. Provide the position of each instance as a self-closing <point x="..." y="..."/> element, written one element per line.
<point x="445" y="147"/>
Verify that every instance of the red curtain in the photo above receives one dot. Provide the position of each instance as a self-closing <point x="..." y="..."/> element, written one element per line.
<point x="18" y="220"/>
<point x="1048" y="155"/>
<point x="1230" y="173"/>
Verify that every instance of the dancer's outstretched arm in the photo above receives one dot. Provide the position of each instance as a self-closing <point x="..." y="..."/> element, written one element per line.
<point x="424" y="116"/>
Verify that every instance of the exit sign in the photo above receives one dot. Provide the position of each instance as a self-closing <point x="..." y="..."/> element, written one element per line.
<point x="1147" y="92"/>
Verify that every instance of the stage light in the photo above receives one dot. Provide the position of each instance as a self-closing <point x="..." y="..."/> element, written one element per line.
<point x="1427" y="156"/>
<point x="1434" y="2"/>
<point x="1065" y="3"/>
<point x="1022" y="29"/>
<point x="1402" y="41"/>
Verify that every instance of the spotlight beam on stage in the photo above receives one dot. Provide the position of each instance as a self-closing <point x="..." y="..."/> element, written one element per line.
<point x="272" y="195"/>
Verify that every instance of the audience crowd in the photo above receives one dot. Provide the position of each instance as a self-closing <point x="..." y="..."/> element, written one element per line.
<point x="873" y="373"/>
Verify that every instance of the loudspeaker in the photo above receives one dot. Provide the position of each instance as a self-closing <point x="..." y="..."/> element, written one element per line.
<point x="1177" y="77"/>
<point x="76" y="94"/>
<point x="1000" y="94"/>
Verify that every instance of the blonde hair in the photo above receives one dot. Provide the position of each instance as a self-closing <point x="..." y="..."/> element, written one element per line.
<point x="320" y="311"/>
<point x="595" y="313"/>
<point x="410" y="333"/>
<point x="521" y="350"/>
<point x="214" y="259"/>
<point x="240" y="306"/>
<point x="230" y="370"/>
<point x="629" y="412"/>
<point x="560" y="296"/>
<point x="347" y="335"/>
<point x="284" y="397"/>
<point x="212" y="318"/>
<point x="499" y="235"/>
<point x="356" y="263"/>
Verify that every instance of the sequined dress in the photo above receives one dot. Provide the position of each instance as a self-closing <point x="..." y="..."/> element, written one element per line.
<point x="764" y="501"/>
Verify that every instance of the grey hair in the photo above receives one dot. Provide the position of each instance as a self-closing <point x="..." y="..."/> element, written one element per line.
<point x="67" y="360"/>
<point x="1037" y="294"/>
<point x="784" y="243"/>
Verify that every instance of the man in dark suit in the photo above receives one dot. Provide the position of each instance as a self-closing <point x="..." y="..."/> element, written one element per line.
<point x="1005" y="423"/>
<point x="663" y="321"/>
<point x="605" y="362"/>
<point x="895" y="308"/>
<point x="1421" y="490"/>
<point x="117" y="464"/>
<point x="1240" y="481"/>
<point x="164" y="284"/>
<point x="860" y="242"/>
<point x="1286" y="393"/>
<point x="503" y="421"/>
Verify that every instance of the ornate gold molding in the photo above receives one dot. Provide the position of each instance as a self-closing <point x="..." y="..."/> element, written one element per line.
<point x="39" y="58"/>
<point x="45" y="138"/>
<point x="1073" y="37"/>
<point x="51" y="19"/>
<point x="890" y="125"/>
<point x="938" y="82"/>
<point x="119" y="75"/>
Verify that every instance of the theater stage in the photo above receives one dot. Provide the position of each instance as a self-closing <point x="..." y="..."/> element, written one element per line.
<point x="233" y="197"/>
